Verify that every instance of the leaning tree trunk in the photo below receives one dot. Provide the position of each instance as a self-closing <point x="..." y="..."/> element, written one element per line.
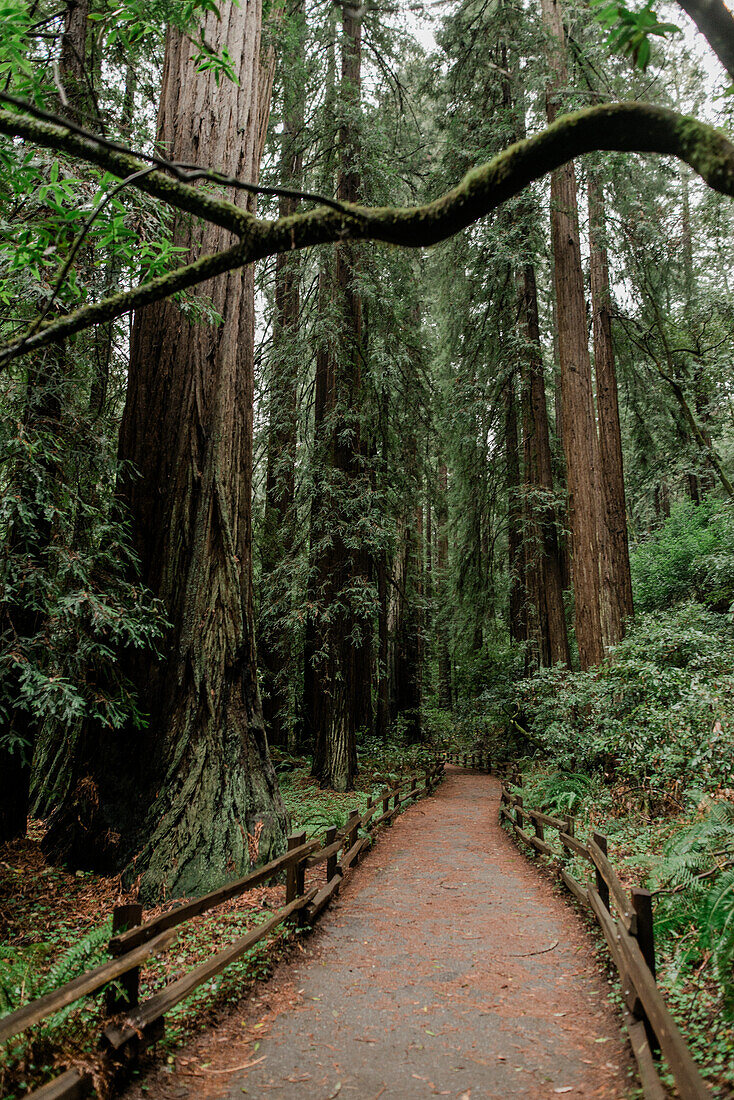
<point x="616" y="595"/>
<point x="578" y="421"/>
<point x="175" y="802"/>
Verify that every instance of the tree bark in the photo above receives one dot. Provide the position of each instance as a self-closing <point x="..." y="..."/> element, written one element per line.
<point x="441" y="582"/>
<point x="578" y="421"/>
<point x="716" y="24"/>
<point x="338" y="685"/>
<point x="174" y="802"/>
<point x="616" y="579"/>
<point x="539" y="475"/>
<point x="276" y="644"/>
<point x="516" y="563"/>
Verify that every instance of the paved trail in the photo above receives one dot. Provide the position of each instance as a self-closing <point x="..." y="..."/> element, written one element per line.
<point x="448" y="967"/>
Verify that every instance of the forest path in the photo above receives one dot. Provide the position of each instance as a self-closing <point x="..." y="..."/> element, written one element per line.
<point x="447" y="967"/>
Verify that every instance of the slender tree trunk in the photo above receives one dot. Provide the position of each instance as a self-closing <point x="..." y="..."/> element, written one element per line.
<point x="338" y="685"/>
<point x="516" y="564"/>
<point x="382" y="722"/>
<point x="442" y="567"/>
<point x="578" y="421"/>
<point x="405" y="609"/>
<point x="275" y="647"/>
<point x="175" y="802"/>
<point x="616" y="579"/>
<point x="551" y="610"/>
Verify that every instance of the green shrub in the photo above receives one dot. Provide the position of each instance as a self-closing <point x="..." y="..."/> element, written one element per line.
<point x="690" y="557"/>
<point x="657" y="714"/>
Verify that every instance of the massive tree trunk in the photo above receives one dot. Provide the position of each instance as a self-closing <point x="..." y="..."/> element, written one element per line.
<point x="578" y="421"/>
<point x="539" y="477"/>
<point x="175" y="801"/>
<point x="616" y="579"/>
<point x="275" y="643"/>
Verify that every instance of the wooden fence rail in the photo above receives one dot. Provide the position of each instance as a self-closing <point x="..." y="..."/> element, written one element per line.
<point x="122" y="1041"/>
<point x="629" y="936"/>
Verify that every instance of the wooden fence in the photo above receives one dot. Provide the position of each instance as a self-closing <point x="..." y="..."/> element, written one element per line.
<point x="134" y="942"/>
<point x="474" y="758"/>
<point x="625" y="919"/>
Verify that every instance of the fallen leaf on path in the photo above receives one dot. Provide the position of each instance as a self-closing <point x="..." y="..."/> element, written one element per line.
<point x="336" y="1091"/>
<point x="567" y="1088"/>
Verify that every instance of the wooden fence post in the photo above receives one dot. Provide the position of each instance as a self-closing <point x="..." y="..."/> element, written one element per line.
<point x="645" y="935"/>
<point x="642" y="905"/>
<point x="124" y="917"/>
<point x="519" y="803"/>
<point x="352" y="827"/>
<point x="601" y="887"/>
<point x="331" y="860"/>
<point x="295" y="873"/>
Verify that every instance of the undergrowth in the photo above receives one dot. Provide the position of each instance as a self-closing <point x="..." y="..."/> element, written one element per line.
<point x="45" y="947"/>
<point x="687" y="861"/>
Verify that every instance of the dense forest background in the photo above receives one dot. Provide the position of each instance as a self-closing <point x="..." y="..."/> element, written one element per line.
<point x="357" y="497"/>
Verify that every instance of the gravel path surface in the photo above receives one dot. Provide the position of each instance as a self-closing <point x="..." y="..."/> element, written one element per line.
<point x="447" y="967"/>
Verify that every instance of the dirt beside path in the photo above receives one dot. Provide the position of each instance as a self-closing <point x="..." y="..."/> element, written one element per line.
<point x="447" y="967"/>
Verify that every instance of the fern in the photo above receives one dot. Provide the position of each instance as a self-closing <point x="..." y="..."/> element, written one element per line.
<point x="718" y="933"/>
<point x="20" y="981"/>
<point x="697" y="890"/>
<point x="559" y="792"/>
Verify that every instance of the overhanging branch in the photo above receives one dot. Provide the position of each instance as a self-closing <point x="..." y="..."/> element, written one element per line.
<point x="621" y="127"/>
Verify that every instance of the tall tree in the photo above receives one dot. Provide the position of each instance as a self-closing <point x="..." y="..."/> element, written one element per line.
<point x="275" y="648"/>
<point x="578" y="419"/>
<point x="616" y="579"/>
<point x="543" y="534"/>
<point x="178" y="798"/>
<point x="338" y="684"/>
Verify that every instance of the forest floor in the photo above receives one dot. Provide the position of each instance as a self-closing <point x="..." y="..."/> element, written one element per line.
<point x="447" y="967"/>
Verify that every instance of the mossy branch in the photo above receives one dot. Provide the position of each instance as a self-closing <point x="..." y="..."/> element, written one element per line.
<point x="621" y="127"/>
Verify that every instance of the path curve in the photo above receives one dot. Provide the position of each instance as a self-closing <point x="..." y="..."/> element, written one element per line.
<point x="447" y="967"/>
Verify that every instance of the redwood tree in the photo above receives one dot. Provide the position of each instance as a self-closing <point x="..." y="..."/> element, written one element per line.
<point x="178" y="798"/>
<point x="337" y="683"/>
<point x="578" y="421"/>
<point x="616" y="579"/>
